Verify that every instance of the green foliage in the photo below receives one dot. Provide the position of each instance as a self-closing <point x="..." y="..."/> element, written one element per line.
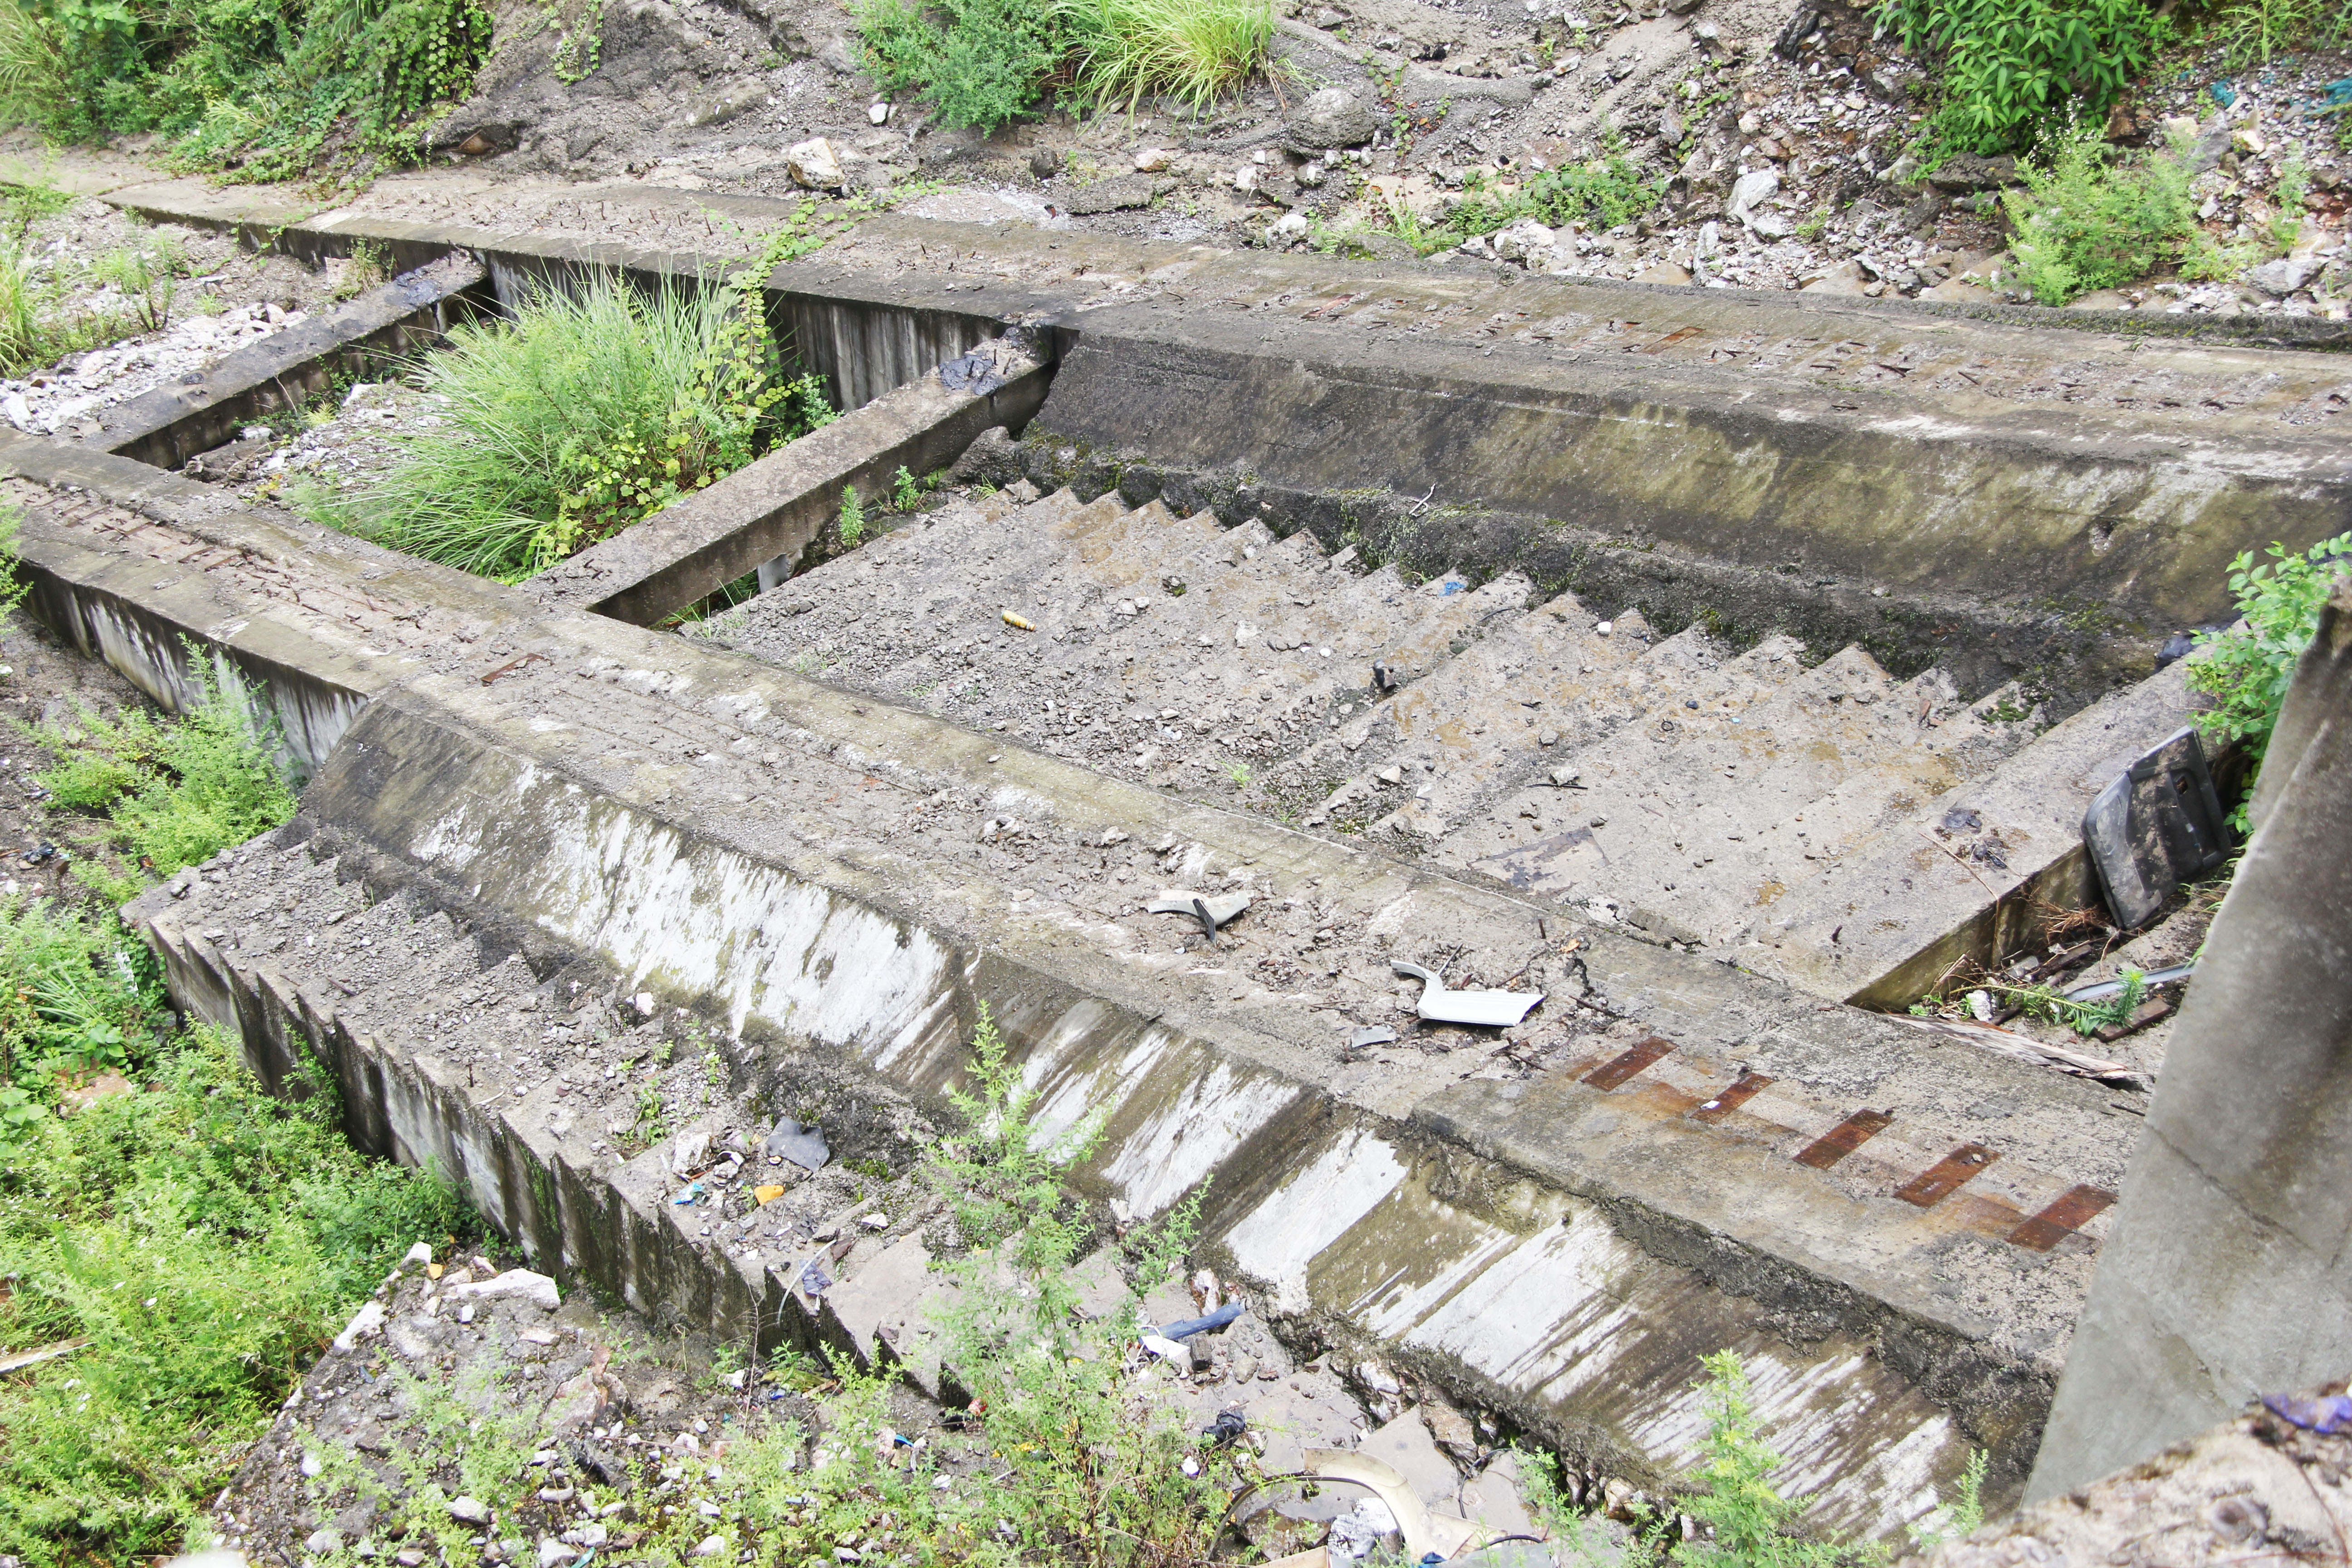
<point x="1961" y="1517"/>
<point x="582" y="416"/>
<point x="77" y="996"/>
<point x="172" y="791"/>
<point x="207" y="1240"/>
<point x="2084" y="221"/>
<point x="1750" y="1521"/>
<point x="2259" y="30"/>
<point x="906" y="490"/>
<point x="2247" y="668"/>
<point x="149" y="276"/>
<point x="985" y="63"/>
<point x="259" y="86"/>
<point x="2007" y="65"/>
<point x="981" y="63"/>
<point x="1601" y="193"/>
<point x="853" y="517"/>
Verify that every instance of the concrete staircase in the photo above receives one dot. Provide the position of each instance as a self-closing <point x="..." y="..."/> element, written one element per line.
<point x="1695" y="794"/>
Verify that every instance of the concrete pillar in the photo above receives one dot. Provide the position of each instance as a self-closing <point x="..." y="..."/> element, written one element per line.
<point x="2229" y="1270"/>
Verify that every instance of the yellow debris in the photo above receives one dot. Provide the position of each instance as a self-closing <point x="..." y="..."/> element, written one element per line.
<point x="1020" y="623"/>
<point x="767" y="1194"/>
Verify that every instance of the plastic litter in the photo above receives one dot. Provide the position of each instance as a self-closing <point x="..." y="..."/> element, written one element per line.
<point x="2100" y="990"/>
<point x="1166" y="1349"/>
<point x="2156" y="825"/>
<point x="1019" y="623"/>
<point x="1370" y="1034"/>
<point x="1399" y="1508"/>
<point x="1355" y="1533"/>
<point x="1499" y="1009"/>
<point x="2336" y="96"/>
<point x="1226" y="1429"/>
<point x="2223" y="93"/>
<point x="1191" y="1326"/>
<point x="2330" y="1415"/>
<point x="804" y="1146"/>
<point x="692" y="1191"/>
<point x="1223" y="906"/>
<point x="985" y="367"/>
<point x="814" y="1279"/>
<point x="767" y="1194"/>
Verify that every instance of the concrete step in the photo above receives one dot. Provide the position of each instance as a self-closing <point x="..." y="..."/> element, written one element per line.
<point x="1960" y="875"/>
<point x="1702" y="811"/>
<point x="1230" y="676"/>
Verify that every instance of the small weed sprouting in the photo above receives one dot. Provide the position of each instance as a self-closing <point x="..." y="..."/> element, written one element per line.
<point x="853" y="519"/>
<point x="1240" y="773"/>
<point x="170" y="792"/>
<point x="906" y="490"/>
<point x="2247" y="670"/>
<point x="148" y="276"/>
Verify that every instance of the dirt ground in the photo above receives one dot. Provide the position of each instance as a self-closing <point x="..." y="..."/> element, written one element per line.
<point x="1778" y="131"/>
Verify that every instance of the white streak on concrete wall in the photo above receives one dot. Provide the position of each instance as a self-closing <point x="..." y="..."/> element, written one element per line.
<point x="1279" y="1239"/>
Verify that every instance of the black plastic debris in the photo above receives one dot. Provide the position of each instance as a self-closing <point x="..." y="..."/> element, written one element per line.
<point x="1227" y="1429"/>
<point x="2158" y="825"/>
<point x="2177" y="647"/>
<point x="804" y="1146"/>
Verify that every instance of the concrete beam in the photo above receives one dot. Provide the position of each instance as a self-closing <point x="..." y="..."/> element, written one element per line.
<point x="780" y="506"/>
<point x="2230" y="1272"/>
<point x="202" y="409"/>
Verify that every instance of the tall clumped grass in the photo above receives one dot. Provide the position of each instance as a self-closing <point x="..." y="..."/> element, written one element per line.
<point x="1191" y="51"/>
<point x="583" y="415"/>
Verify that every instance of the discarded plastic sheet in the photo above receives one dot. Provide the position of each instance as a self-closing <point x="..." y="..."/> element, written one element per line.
<point x="1166" y="1349"/>
<point x="1497" y="1009"/>
<point x="1223" y="906"/>
<point x="692" y="1191"/>
<point x="1423" y="1532"/>
<point x="804" y="1146"/>
<point x="2100" y="990"/>
<point x="22" y="1359"/>
<point x="1228" y="1428"/>
<point x="1191" y="1326"/>
<point x="2330" y="1415"/>
<point x="1370" y="1034"/>
<point x="814" y="1279"/>
<point x="2158" y="825"/>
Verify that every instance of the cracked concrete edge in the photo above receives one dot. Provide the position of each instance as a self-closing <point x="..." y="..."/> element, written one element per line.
<point x="172" y="422"/>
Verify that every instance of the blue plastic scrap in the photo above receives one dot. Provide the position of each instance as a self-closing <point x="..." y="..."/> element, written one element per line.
<point x="2223" y="93"/>
<point x="693" y="1191"/>
<point x="2330" y="1415"/>
<point x="2337" y="95"/>
<point x="815" y="1280"/>
<point x="1191" y="1326"/>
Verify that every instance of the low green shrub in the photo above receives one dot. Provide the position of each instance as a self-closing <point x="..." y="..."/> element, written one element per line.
<point x="985" y="63"/>
<point x="170" y="792"/>
<point x="262" y="87"/>
<point x="207" y="1240"/>
<point x="2247" y="668"/>
<point x="77" y="996"/>
<point x="2005" y="67"/>
<point x="2085" y="219"/>
<point x="1601" y="193"/>
<point x="581" y="417"/>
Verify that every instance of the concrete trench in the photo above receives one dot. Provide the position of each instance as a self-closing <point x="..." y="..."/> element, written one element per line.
<point x="1553" y="1231"/>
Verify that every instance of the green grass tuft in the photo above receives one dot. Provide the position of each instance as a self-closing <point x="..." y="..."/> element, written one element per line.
<point x="579" y="418"/>
<point x="1192" y="50"/>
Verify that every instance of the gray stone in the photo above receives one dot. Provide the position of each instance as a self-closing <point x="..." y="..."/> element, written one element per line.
<point x="1117" y="194"/>
<point x="814" y="166"/>
<point x="2283" y="276"/>
<point x="469" y="1511"/>
<point x="1333" y="117"/>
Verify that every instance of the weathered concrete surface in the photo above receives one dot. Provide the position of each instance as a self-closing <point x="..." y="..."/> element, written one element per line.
<point x="819" y="868"/>
<point x="2043" y="503"/>
<point x="202" y="410"/>
<point x="2255" y="1488"/>
<point x="780" y="506"/>
<point x="2230" y="1270"/>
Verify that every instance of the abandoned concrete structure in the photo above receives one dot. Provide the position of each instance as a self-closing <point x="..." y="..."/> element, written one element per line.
<point x="1725" y="669"/>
